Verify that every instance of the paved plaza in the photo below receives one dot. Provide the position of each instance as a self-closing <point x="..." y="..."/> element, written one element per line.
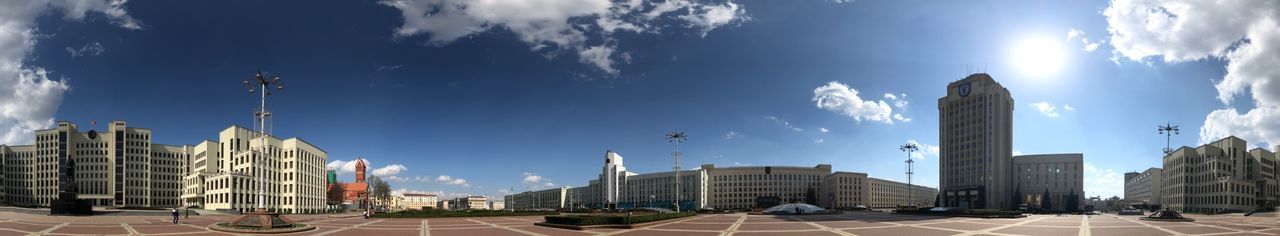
<point x="870" y="223"/>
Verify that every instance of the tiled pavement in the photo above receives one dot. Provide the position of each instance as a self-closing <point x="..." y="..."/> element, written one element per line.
<point x="736" y="224"/>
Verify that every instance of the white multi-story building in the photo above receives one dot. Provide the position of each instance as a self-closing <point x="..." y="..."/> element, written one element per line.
<point x="1219" y="176"/>
<point x="976" y="144"/>
<point x="1142" y="190"/>
<point x="418" y="201"/>
<point x="123" y="168"/>
<point x="1050" y="181"/>
<point x="720" y="188"/>
<point x="891" y="194"/>
<point x="497" y="205"/>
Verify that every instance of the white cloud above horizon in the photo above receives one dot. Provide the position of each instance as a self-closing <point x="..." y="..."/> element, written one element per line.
<point x="555" y="26"/>
<point x="28" y="96"/>
<point x="784" y="123"/>
<point x="445" y="179"/>
<point x="925" y="150"/>
<point x="389" y="170"/>
<point x="1102" y="182"/>
<point x="1245" y="34"/>
<point x="840" y="98"/>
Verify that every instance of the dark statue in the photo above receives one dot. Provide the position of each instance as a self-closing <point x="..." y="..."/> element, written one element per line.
<point x="68" y="202"/>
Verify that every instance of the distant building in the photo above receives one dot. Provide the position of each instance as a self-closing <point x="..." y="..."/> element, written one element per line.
<point x="443" y="205"/>
<point x="1142" y="191"/>
<point x="1050" y="181"/>
<point x="742" y="187"/>
<point x="356" y="194"/>
<point x="976" y="153"/>
<point x="419" y="201"/>
<point x="891" y="194"/>
<point x="472" y="203"/>
<point x="497" y="205"/>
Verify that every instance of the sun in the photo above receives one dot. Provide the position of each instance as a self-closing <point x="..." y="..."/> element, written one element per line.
<point x="1038" y="56"/>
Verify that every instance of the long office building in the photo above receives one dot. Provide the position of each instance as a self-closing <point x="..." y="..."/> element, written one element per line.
<point x="1142" y="189"/>
<point x="976" y="153"/>
<point x="709" y="186"/>
<point x="1219" y="177"/>
<point x="121" y="167"/>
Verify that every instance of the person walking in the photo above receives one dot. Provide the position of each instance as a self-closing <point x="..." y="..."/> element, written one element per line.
<point x="187" y="214"/>
<point x="175" y="216"/>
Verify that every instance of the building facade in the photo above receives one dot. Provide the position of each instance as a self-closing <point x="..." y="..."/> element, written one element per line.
<point x="891" y="194"/>
<point x="976" y="153"/>
<point x="1142" y="190"/>
<point x="418" y="201"/>
<point x="1219" y="177"/>
<point x="497" y="205"/>
<point x="1050" y="181"/>
<point x="743" y="187"/>
<point x="121" y="167"/>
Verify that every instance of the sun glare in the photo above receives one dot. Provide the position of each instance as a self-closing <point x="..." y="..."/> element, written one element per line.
<point x="1038" y="57"/>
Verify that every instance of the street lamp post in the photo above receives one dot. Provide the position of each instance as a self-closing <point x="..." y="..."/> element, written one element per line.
<point x="263" y="85"/>
<point x="909" y="148"/>
<point x="1168" y="130"/>
<point x="677" y="137"/>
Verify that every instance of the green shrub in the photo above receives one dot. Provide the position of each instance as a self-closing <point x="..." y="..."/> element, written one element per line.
<point x="581" y="220"/>
<point x="446" y="213"/>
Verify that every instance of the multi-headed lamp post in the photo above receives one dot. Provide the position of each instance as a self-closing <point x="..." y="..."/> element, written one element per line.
<point x="909" y="148"/>
<point x="263" y="85"/>
<point x="1168" y="130"/>
<point x="677" y="137"/>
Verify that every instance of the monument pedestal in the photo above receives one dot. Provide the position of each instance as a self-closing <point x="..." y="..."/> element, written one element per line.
<point x="262" y="219"/>
<point x="67" y="204"/>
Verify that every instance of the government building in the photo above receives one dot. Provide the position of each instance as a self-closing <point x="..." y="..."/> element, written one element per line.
<point x="715" y="187"/>
<point x="976" y="166"/>
<point x="122" y="167"/>
<point x="1222" y="176"/>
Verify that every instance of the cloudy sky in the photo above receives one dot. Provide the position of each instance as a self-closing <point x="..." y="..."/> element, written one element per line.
<point x="481" y="97"/>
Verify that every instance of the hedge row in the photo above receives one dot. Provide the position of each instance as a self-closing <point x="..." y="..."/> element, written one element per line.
<point x="581" y="220"/>
<point x="443" y="213"/>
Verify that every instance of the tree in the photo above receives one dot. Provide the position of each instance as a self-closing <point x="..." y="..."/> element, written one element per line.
<point x="1073" y="202"/>
<point x="1017" y="196"/>
<point x="336" y="193"/>
<point x="811" y="197"/>
<point x="379" y="190"/>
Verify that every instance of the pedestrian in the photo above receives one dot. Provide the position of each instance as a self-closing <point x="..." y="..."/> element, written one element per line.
<point x="188" y="214"/>
<point x="366" y="214"/>
<point x="175" y="216"/>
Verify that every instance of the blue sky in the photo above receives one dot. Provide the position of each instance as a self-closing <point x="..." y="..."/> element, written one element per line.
<point x="503" y="95"/>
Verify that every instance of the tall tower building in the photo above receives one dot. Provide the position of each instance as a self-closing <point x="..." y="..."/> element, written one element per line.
<point x="976" y="138"/>
<point x="360" y="170"/>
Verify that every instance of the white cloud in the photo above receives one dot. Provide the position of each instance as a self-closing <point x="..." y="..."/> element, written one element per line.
<point x="819" y="141"/>
<point x="1102" y="182"/>
<point x="389" y="170"/>
<point x="28" y="97"/>
<point x="549" y="184"/>
<point x="389" y="67"/>
<point x="552" y="26"/>
<point x="741" y="164"/>
<point x="1017" y="152"/>
<point x="530" y="178"/>
<point x="342" y="166"/>
<point x="1045" y="108"/>
<point x="899" y="101"/>
<point x="1073" y="33"/>
<point x="732" y="135"/>
<point x="1245" y="34"/>
<point x="89" y="49"/>
<point x="784" y="123"/>
<point x="445" y="179"/>
<point x="925" y="150"/>
<point x="1067" y="107"/>
<point x="842" y="99"/>
<point x="824" y="130"/>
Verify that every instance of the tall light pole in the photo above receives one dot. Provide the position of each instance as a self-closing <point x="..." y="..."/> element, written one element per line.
<point x="263" y="85"/>
<point x="677" y="137"/>
<point x="909" y="148"/>
<point x="1168" y="130"/>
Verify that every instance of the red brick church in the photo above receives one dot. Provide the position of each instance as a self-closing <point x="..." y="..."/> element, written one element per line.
<point x="355" y="194"/>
